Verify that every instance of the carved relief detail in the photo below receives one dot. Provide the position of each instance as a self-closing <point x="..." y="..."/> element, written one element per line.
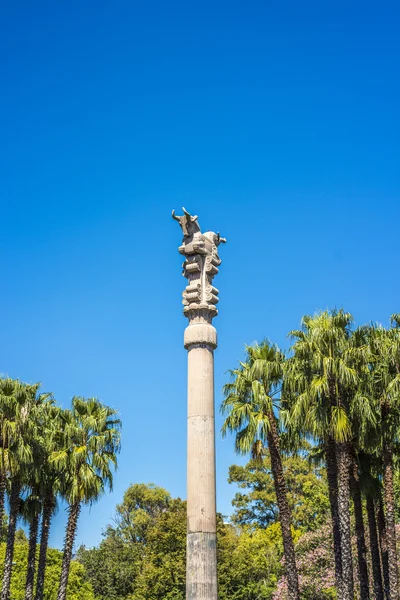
<point x="200" y="266"/>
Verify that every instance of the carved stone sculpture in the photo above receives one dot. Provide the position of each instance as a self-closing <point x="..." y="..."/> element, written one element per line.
<point x="199" y="299"/>
<point x="201" y="264"/>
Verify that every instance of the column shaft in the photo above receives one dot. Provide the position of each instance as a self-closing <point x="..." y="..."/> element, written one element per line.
<point x="201" y="579"/>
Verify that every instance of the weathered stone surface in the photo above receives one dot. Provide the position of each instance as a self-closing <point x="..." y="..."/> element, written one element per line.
<point x="201" y="566"/>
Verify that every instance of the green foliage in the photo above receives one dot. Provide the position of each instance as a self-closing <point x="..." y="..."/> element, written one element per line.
<point x="162" y="574"/>
<point x="249" y="562"/>
<point x="78" y="588"/>
<point x="307" y="493"/>
<point x="322" y="374"/>
<point x="3" y="529"/>
<point x="111" y="567"/>
<point x="20" y="536"/>
<point x="251" y="396"/>
<point x="140" y="506"/>
<point x="257" y="505"/>
<point x="144" y="556"/>
<point x="88" y="441"/>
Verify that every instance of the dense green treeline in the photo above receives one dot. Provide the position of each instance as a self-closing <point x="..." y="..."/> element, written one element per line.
<point x="142" y="556"/>
<point x="78" y="586"/>
<point x="316" y="508"/>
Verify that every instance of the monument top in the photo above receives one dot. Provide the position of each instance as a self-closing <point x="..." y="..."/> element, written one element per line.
<point x="201" y="264"/>
<point x="193" y="240"/>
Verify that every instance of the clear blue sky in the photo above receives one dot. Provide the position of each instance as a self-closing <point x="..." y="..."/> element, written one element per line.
<point x="277" y="123"/>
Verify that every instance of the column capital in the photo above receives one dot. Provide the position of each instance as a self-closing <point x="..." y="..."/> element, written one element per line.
<point x="200" y="266"/>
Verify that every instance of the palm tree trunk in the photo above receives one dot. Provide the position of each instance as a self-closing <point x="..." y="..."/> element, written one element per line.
<point x="390" y="521"/>
<point x="332" y="474"/>
<point x="374" y="548"/>
<point x="48" y="509"/>
<point x="383" y="546"/>
<point x="285" y="514"/>
<point x="3" y="482"/>
<point x="360" y="530"/>
<point x="12" y="524"/>
<point x="344" y="465"/>
<point x="30" y="573"/>
<point x="68" y="546"/>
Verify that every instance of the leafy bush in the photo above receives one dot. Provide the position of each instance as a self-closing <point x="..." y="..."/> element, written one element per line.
<point x="78" y="588"/>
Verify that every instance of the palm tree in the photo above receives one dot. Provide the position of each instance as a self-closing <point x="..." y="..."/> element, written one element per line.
<point x="48" y="508"/>
<point x="371" y="486"/>
<point x="385" y="383"/>
<point x="21" y="448"/>
<point x="322" y="376"/>
<point x="43" y="421"/>
<point x="363" y="445"/>
<point x="50" y="485"/>
<point x="90" y="442"/>
<point x="360" y="529"/>
<point x="30" y="510"/>
<point x="12" y="525"/>
<point x="381" y="523"/>
<point x="7" y="430"/>
<point x="250" y="399"/>
<point x="374" y="549"/>
<point x="19" y="456"/>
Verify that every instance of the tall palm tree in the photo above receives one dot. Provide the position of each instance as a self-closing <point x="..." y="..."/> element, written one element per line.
<point x="374" y="550"/>
<point x="323" y="379"/>
<point x="385" y="383"/>
<point x="30" y="510"/>
<point x="21" y="445"/>
<point x="20" y="458"/>
<point x="363" y="447"/>
<point x="360" y="529"/>
<point x="381" y="523"/>
<point x="42" y="420"/>
<point x="250" y="399"/>
<point x="49" y="505"/>
<point x="50" y="485"/>
<point x="91" y="440"/>
<point x="7" y="431"/>
<point x="371" y="486"/>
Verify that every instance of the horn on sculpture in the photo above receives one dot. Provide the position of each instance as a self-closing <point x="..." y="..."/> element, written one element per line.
<point x="192" y="218"/>
<point x="220" y="240"/>
<point x="174" y="216"/>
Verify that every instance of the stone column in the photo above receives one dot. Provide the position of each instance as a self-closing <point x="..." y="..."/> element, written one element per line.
<point x="199" y="299"/>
